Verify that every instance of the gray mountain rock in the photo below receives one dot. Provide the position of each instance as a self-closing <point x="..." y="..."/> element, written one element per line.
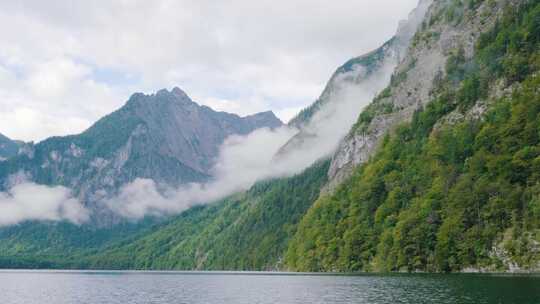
<point x="369" y="73"/>
<point x="413" y="81"/>
<point x="164" y="136"/>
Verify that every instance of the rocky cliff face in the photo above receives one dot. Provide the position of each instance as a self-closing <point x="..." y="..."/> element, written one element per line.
<point x="414" y="78"/>
<point x="165" y="137"/>
<point x="351" y="86"/>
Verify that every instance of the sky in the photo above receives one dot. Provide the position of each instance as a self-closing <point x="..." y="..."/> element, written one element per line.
<point x="64" y="64"/>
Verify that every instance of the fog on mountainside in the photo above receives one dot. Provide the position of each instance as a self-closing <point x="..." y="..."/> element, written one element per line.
<point x="265" y="153"/>
<point x="243" y="159"/>
<point x="164" y="137"/>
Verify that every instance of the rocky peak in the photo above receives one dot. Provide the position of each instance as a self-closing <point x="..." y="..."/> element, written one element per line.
<point x="267" y="119"/>
<point x="164" y="136"/>
<point x="179" y="93"/>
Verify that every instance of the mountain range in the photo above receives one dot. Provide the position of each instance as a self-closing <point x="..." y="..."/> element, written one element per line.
<point x="164" y="136"/>
<point x="434" y="167"/>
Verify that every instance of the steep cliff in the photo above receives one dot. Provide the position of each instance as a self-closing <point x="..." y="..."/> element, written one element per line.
<point x="439" y="173"/>
<point x="351" y="87"/>
<point x="447" y="27"/>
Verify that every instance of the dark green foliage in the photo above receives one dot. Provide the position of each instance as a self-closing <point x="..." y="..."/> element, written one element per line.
<point x="245" y="232"/>
<point x="510" y="49"/>
<point x="440" y="199"/>
<point x="433" y="200"/>
<point x="59" y="245"/>
<point x="455" y="68"/>
<point x="8" y="147"/>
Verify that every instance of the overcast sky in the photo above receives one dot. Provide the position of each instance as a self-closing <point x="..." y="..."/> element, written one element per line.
<point x="64" y="64"/>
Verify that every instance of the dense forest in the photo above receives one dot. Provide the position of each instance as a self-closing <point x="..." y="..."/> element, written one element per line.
<point x="244" y="232"/>
<point x="444" y="196"/>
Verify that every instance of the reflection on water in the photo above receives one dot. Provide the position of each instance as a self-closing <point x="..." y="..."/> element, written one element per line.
<point x="31" y="287"/>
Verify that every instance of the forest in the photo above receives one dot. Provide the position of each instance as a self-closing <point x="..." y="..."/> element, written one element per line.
<point x="444" y="196"/>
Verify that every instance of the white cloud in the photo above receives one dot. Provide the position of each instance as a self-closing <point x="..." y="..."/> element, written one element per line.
<point x="243" y="160"/>
<point x="64" y="59"/>
<point x="28" y="201"/>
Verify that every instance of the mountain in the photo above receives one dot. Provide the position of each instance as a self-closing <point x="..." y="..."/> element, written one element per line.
<point x="438" y="174"/>
<point x="164" y="136"/>
<point x="246" y="231"/>
<point x="351" y="86"/>
<point x="359" y="69"/>
<point x="8" y="147"/>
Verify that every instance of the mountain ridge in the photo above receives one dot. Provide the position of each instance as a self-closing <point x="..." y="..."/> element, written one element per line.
<point x="163" y="136"/>
<point x="438" y="174"/>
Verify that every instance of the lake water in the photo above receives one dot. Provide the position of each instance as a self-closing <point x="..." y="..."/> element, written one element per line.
<point x="57" y="287"/>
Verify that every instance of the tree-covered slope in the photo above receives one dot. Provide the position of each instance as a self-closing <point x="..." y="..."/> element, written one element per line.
<point x="60" y="245"/>
<point x="248" y="231"/>
<point x="457" y="187"/>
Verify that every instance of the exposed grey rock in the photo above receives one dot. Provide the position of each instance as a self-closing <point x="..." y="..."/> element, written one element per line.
<point x="164" y="136"/>
<point x="369" y="73"/>
<point x="413" y="81"/>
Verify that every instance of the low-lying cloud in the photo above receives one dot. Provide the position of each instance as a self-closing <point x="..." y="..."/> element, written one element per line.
<point x="245" y="160"/>
<point x="28" y="201"/>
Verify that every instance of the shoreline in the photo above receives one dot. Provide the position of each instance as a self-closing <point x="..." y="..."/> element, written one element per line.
<point x="259" y="273"/>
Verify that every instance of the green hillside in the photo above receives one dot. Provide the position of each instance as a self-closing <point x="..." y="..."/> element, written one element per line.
<point x="245" y="232"/>
<point x="455" y="188"/>
<point x="440" y="196"/>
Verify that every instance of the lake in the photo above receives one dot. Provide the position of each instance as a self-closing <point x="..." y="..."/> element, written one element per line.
<point x="57" y="287"/>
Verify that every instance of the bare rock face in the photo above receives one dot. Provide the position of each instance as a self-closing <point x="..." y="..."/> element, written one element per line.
<point x="191" y="133"/>
<point x="164" y="136"/>
<point x="413" y="80"/>
<point x="359" y="79"/>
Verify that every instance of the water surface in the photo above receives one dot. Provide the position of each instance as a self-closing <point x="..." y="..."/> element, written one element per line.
<point x="91" y="287"/>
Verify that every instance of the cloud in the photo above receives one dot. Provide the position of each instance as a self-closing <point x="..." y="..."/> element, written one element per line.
<point x="28" y="201"/>
<point x="243" y="160"/>
<point x="65" y="64"/>
<point x="81" y="60"/>
<point x="51" y="97"/>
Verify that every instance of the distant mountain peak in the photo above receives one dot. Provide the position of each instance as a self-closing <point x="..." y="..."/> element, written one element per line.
<point x="163" y="136"/>
<point x="179" y="92"/>
<point x="177" y="98"/>
<point x="265" y="114"/>
<point x="162" y="95"/>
